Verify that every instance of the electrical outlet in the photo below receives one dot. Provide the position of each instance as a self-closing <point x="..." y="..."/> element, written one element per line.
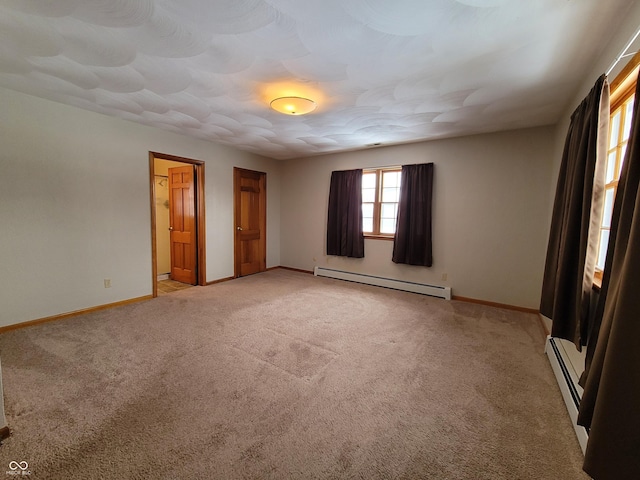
<point x="444" y="277"/>
<point x="107" y="283"/>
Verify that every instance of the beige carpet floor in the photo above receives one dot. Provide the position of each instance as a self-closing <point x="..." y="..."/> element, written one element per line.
<point x="283" y="375"/>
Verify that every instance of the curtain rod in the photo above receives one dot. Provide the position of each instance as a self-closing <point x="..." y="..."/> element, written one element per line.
<point x="623" y="53"/>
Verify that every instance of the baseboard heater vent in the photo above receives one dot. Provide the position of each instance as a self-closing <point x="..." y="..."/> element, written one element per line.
<point x="432" y="290"/>
<point x="568" y="383"/>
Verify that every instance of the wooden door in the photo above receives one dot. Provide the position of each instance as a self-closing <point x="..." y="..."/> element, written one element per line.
<point x="250" y="206"/>
<point x="182" y="224"/>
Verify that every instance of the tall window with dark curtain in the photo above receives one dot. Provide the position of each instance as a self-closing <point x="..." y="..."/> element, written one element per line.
<point x="577" y="210"/>
<point x="412" y="243"/>
<point x="610" y="404"/>
<point x="344" y="219"/>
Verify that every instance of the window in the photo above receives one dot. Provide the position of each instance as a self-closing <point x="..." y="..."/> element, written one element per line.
<point x="380" y="196"/>
<point x="622" y="98"/>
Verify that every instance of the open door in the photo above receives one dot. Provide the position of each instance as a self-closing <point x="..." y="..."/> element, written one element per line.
<point x="159" y="165"/>
<point x="250" y="206"/>
<point x="182" y="224"/>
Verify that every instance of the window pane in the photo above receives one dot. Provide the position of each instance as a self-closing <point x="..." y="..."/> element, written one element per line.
<point x="368" y="180"/>
<point x="602" y="249"/>
<point x="369" y="187"/>
<point x="623" y="152"/>
<point x="368" y="194"/>
<point x="390" y="186"/>
<point x="387" y="225"/>
<point x="389" y="210"/>
<point x="608" y="207"/>
<point x="611" y="168"/>
<point x="391" y="194"/>
<point x="367" y="217"/>
<point x="391" y="179"/>
<point x="615" y="130"/>
<point x="627" y="119"/>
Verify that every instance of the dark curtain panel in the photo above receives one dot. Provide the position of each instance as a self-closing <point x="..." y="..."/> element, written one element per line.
<point x="610" y="405"/>
<point x="344" y="223"/>
<point x="412" y="242"/>
<point x="577" y="211"/>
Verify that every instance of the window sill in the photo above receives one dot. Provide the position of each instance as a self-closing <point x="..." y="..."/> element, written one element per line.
<point x="378" y="237"/>
<point x="597" y="282"/>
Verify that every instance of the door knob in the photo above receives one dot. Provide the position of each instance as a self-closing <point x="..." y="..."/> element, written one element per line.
<point x="238" y="228"/>
<point x="170" y="228"/>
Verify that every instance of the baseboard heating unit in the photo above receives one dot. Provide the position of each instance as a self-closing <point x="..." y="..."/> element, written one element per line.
<point x="568" y="382"/>
<point x="424" y="289"/>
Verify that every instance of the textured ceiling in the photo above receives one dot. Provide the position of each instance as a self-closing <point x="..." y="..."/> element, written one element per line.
<point x="381" y="71"/>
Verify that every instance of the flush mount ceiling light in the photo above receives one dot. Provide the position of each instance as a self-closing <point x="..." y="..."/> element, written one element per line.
<point x="293" y="105"/>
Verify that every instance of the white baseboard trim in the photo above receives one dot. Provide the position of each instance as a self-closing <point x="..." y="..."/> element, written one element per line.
<point x="568" y="382"/>
<point x="414" y="287"/>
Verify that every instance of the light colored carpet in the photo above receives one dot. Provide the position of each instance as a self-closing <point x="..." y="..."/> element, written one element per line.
<point x="283" y="375"/>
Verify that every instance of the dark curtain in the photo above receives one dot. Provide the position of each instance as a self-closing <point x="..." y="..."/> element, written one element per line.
<point x="610" y="405"/>
<point x="577" y="211"/>
<point x="344" y="223"/>
<point x="412" y="242"/>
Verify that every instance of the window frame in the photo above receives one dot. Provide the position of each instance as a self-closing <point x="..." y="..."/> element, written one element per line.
<point x="377" y="203"/>
<point x="622" y="91"/>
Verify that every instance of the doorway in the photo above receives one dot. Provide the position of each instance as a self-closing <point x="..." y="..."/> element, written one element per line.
<point x="177" y="219"/>
<point x="250" y="213"/>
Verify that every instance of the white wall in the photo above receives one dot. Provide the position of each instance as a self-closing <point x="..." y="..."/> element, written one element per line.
<point x="490" y="213"/>
<point x="75" y="206"/>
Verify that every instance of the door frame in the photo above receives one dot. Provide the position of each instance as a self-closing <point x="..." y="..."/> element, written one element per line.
<point x="263" y="217"/>
<point x="199" y="199"/>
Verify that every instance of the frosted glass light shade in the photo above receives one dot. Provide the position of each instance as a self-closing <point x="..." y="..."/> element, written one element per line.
<point x="293" y="105"/>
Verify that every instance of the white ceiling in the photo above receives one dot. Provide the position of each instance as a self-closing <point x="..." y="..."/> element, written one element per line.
<point x="381" y="71"/>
